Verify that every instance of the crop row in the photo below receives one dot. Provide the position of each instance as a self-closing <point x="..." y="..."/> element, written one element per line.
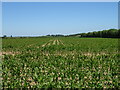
<point x="61" y="62"/>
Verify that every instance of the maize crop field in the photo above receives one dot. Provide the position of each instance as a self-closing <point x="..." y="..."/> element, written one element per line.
<point x="60" y="62"/>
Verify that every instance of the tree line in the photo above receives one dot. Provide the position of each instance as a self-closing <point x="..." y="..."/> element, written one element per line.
<point x="111" y="33"/>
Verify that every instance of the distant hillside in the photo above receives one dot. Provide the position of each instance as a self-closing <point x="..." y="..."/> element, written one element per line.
<point x="111" y="33"/>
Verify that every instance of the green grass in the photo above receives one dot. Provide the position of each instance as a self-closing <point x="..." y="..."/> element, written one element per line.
<point x="60" y="62"/>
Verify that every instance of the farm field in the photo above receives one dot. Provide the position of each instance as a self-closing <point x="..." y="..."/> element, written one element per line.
<point x="60" y="62"/>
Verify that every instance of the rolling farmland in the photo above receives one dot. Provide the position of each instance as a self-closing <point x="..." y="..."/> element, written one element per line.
<point x="60" y="62"/>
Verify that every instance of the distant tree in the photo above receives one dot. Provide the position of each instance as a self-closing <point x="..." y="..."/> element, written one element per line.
<point x="4" y="36"/>
<point x="111" y="33"/>
<point x="48" y="35"/>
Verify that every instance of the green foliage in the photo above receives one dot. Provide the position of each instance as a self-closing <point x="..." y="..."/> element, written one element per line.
<point x="60" y="63"/>
<point x="111" y="33"/>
